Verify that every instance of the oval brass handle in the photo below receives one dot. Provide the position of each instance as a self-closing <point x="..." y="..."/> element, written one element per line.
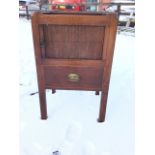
<point x="73" y="77"/>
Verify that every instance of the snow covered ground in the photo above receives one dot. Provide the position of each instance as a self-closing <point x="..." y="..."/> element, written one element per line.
<point x="71" y="127"/>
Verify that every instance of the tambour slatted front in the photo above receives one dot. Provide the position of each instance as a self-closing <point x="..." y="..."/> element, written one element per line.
<point x="86" y="43"/>
<point x="74" y="51"/>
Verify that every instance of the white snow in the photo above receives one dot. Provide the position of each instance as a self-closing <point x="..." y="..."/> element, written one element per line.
<point x="72" y="127"/>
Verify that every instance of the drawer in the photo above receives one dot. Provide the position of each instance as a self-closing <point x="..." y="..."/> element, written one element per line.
<point x="74" y="78"/>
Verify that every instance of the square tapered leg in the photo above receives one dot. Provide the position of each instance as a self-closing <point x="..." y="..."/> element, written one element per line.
<point x="103" y="104"/>
<point x="43" y="106"/>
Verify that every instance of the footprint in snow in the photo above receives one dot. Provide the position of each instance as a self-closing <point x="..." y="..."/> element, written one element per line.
<point x="72" y="138"/>
<point x="89" y="149"/>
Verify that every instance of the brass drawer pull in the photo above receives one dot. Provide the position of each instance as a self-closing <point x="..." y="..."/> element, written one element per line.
<point x="73" y="77"/>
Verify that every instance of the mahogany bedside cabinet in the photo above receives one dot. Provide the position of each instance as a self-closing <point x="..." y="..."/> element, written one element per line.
<point x="74" y="51"/>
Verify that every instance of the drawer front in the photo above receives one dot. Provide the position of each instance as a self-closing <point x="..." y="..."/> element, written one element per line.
<point x="75" y="78"/>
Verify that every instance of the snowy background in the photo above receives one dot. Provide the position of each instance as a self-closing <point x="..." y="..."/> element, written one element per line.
<point x="72" y="127"/>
